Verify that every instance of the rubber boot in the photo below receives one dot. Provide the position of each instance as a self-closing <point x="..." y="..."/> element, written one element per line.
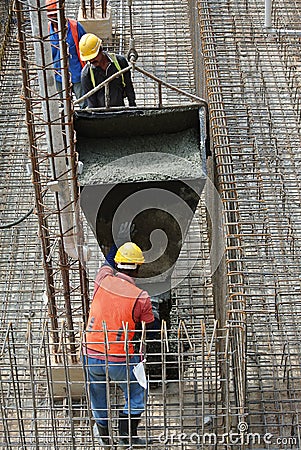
<point x="136" y="440"/>
<point x="124" y="432"/>
<point x="123" y="427"/>
<point x="101" y="434"/>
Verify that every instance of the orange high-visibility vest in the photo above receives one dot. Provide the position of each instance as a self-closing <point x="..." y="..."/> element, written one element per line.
<point x="113" y="304"/>
<point x="74" y="32"/>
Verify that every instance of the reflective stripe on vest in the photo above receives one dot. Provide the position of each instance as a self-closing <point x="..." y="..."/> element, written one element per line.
<point x="116" y="64"/>
<point x="113" y="304"/>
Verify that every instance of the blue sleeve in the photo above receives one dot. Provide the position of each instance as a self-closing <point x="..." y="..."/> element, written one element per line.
<point x="80" y="30"/>
<point x="110" y="257"/>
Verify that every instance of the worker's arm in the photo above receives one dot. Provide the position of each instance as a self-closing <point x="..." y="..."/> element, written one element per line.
<point x="87" y="86"/>
<point x="107" y="268"/>
<point x="143" y="308"/>
<point x="110" y="257"/>
<point x="143" y="311"/>
<point x="129" y="88"/>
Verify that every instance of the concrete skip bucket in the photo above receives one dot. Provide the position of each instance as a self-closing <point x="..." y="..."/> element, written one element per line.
<point x="142" y="176"/>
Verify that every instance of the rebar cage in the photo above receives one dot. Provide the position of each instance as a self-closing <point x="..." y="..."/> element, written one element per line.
<point x="235" y="333"/>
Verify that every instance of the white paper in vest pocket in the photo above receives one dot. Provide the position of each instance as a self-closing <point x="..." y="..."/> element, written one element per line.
<point x="139" y="373"/>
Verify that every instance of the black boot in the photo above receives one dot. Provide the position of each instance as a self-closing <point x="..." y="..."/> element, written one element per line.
<point x="125" y="433"/>
<point x="123" y="427"/>
<point x="101" y="434"/>
<point x="136" y="440"/>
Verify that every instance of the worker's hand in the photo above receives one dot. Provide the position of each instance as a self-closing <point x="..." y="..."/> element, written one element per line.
<point x="155" y="307"/>
<point x="125" y="233"/>
<point x="124" y="229"/>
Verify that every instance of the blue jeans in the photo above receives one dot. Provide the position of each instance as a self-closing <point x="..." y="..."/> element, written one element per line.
<point x="78" y="91"/>
<point x="76" y="88"/>
<point x="95" y="370"/>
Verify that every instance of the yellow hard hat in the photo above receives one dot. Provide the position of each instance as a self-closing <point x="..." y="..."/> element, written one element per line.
<point x="89" y="46"/>
<point x="129" y="253"/>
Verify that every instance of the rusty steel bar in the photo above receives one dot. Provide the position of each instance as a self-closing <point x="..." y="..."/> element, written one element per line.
<point x="40" y="210"/>
<point x="104" y="4"/>
<point x="84" y="9"/>
<point x="93" y="6"/>
<point x="92" y="9"/>
<point x="54" y="256"/>
<point x="226" y="182"/>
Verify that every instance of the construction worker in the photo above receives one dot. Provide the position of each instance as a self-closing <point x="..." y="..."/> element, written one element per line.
<point x="74" y="33"/>
<point x="118" y="305"/>
<point x="100" y="66"/>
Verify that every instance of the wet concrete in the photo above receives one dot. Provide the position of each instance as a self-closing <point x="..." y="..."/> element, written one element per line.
<point x="141" y="158"/>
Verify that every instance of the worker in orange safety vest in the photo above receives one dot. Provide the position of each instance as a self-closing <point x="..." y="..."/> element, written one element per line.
<point x="74" y="32"/>
<point x="118" y="305"/>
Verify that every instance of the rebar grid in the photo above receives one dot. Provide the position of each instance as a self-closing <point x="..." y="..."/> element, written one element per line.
<point x="234" y="292"/>
<point x="6" y="14"/>
<point x="53" y="161"/>
<point x="21" y="283"/>
<point x="256" y="144"/>
<point x="38" y="409"/>
<point x="256" y="101"/>
<point x="163" y="42"/>
<point x="285" y="18"/>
